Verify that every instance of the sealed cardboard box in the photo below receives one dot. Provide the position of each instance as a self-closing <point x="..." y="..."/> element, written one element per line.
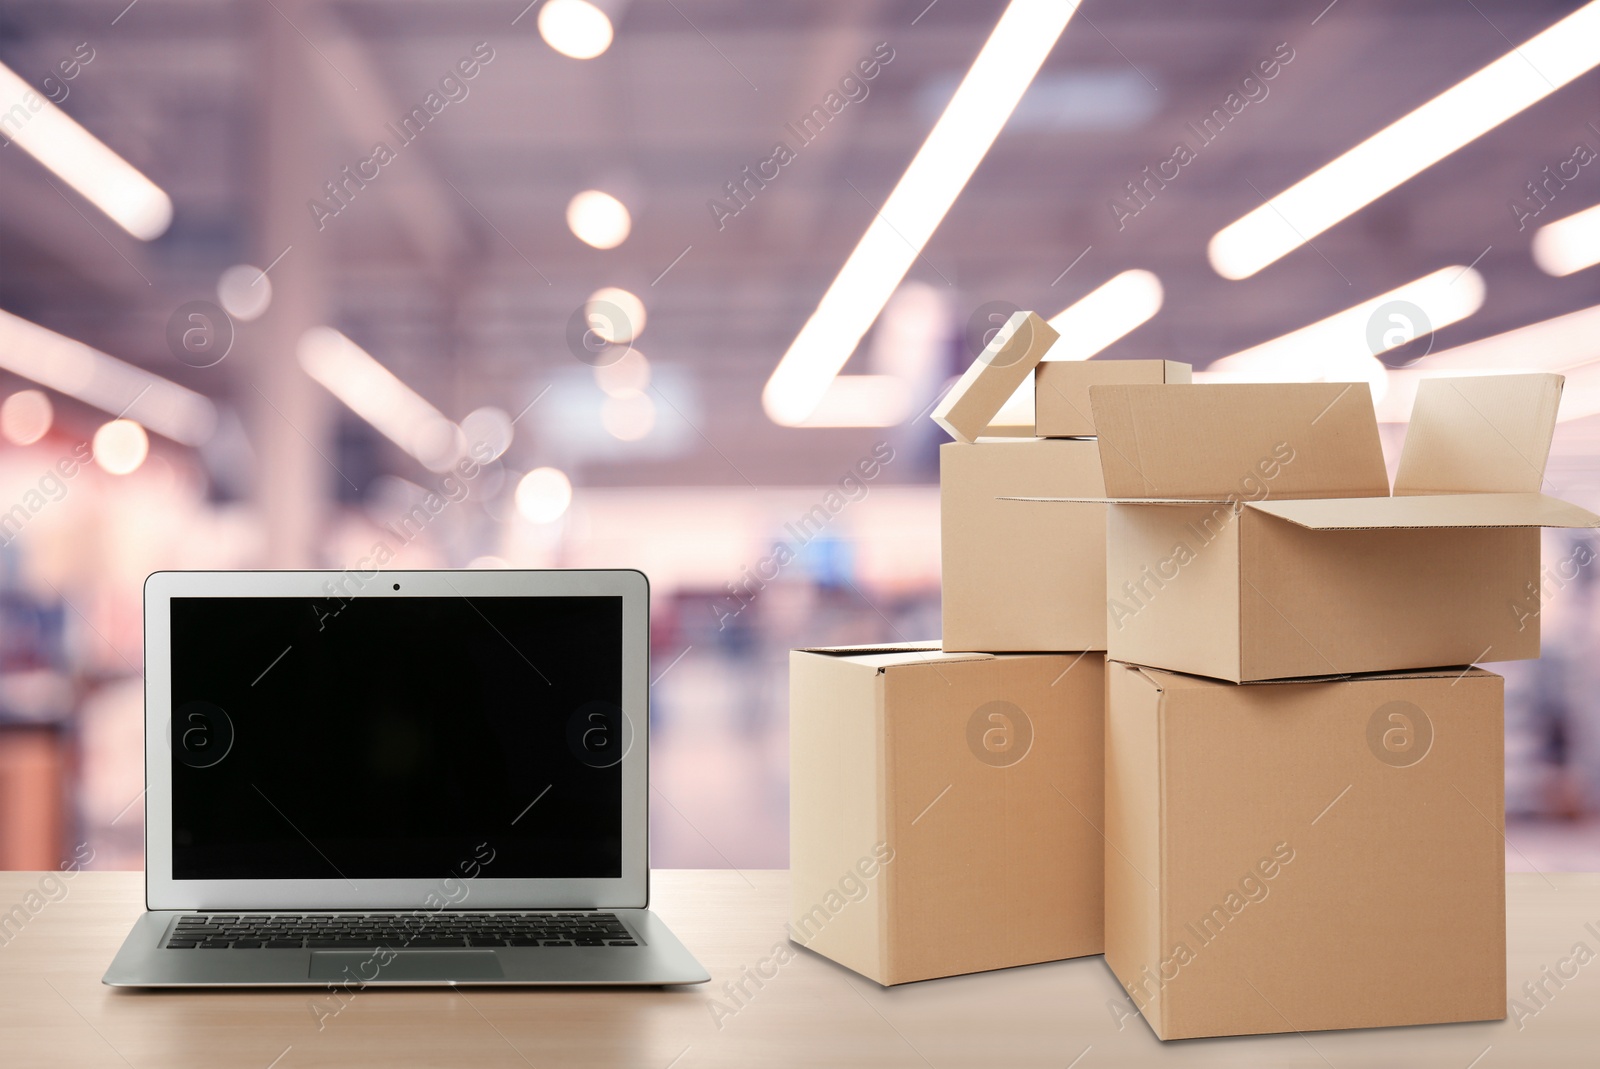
<point x="1305" y="855"/>
<point x="1252" y="534"/>
<point x="1061" y="389"/>
<point x="945" y="808"/>
<point x="1016" y="576"/>
<point x="983" y="389"/>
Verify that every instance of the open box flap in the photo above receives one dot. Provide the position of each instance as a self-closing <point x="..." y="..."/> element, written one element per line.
<point x="1128" y="500"/>
<point x="1438" y="510"/>
<point x="991" y="379"/>
<point x="1164" y="680"/>
<point x="1479" y="434"/>
<point x="1232" y="440"/>
<point x="891" y="655"/>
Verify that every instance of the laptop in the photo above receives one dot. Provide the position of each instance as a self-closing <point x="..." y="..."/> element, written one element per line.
<point x="397" y="778"/>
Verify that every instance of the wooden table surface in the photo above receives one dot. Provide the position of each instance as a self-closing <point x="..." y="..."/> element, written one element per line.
<point x="54" y="1011"/>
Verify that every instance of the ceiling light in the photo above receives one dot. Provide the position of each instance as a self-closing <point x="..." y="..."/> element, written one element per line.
<point x="862" y="401"/>
<point x="109" y="384"/>
<point x="372" y="392"/>
<point x="599" y="219"/>
<point x="26" y="417"/>
<point x="1344" y="346"/>
<point x="575" y="28"/>
<point x="244" y="292"/>
<point x="81" y="160"/>
<point x="983" y="102"/>
<point x="1580" y="398"/>
<point x="121" y="446"/>
<point x="543" y="495"/>
<point x="489" y="431"/>
<point x="615" y="315"/>
<point x="1568" y="245"/>
<point x="1105" y="314"/>
<point x="1569" y="344"/>
<point x="1550" y="345"/>
<point x="1462" y="113"/>
<point x="630" y="418"/>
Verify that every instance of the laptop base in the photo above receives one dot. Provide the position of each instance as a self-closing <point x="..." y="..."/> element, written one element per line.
<point x="660" y="960"/>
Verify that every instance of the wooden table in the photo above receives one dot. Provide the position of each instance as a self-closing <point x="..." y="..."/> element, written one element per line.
<point x="54" y="1012"/>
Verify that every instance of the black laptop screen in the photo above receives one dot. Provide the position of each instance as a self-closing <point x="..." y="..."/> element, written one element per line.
<point x="396" y="737"/>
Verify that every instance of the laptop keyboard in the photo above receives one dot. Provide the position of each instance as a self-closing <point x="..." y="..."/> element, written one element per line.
<point x="361" y="931"/>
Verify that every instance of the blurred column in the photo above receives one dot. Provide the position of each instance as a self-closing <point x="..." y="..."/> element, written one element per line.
<point x="33" y="761"/>
<point x="289" y="418"/>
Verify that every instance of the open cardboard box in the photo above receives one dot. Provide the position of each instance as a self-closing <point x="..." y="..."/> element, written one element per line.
<point x="1252" y="534"/>
<point x="1008" y="393"/>
<point x="1304" y="855"/>
<point x="945" y="808"/>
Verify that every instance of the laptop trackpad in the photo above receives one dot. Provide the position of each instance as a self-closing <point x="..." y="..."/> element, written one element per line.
<point x="361" y="967"/>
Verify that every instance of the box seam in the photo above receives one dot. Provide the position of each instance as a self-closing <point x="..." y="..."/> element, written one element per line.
<point x="885" y="826"/>
<point x="1161" y="853"/>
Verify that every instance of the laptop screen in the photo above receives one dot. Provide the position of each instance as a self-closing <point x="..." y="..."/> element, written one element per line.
<point x="394" y="737"/>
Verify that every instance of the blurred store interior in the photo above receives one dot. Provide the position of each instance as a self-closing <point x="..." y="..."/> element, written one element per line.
<point x="267" y="265"/>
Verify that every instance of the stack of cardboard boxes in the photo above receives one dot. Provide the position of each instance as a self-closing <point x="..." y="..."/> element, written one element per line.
<point x="1276" y="802"/>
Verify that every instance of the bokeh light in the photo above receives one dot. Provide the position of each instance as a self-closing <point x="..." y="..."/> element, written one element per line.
<point x="244" y="291"/>
<point x="543" y="495"/>
<point x="627" y="377"/>
<point x="615" y="315"/>
<point x="630" y="418"/>
<point x="25" y="417"/>
<point x="599" y="219"/>
<point x="575" y="28"/>
<point x="121" y="446"/>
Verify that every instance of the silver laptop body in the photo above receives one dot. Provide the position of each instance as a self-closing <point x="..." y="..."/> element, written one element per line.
<point x="370" y="778"/>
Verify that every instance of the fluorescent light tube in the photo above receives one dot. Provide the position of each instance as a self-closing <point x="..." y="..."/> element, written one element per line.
<point x="111" y="385"/>
<point x="862" y="401"/>
<point x="372" y="392"/>
<point x="1105" y="314"/>
<point x="81" y="160"/>
<point x="1414" y="142"/>
<point x="941" y="168"/>
<point x="1344" y="346"/>
<point x="1557" y="344"/>
<point x="1568" y="245"/>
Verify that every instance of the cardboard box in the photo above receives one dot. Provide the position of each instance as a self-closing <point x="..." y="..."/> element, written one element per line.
<point x="983" y="389"/>
<point x="1061" y="389"/>
<point x="1252" y="535"/>
<point x="945" y="808"/>
<point x="1308" y="855"/>
<point x="1018" y="577"/>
